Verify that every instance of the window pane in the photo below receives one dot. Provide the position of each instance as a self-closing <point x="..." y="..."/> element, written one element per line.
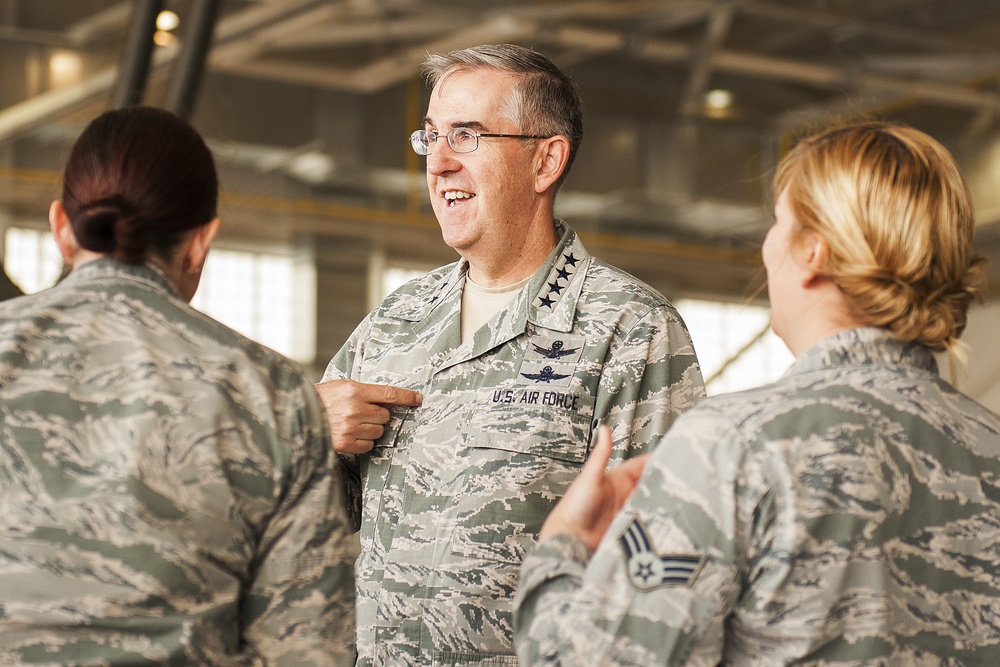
<point x="31" y="259"/>
<point x="253" y="294"/>
<point x="247" y="291"/>
<point x="734" y="343"/>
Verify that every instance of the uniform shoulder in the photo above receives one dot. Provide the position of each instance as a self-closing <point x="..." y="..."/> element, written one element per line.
<point x="264" y="356"/>
<point x="417" y="292"/>
<point x="746" y="410"/>
<point x="606" y="277"/>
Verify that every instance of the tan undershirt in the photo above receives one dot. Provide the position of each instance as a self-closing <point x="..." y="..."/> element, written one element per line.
<point x="480" y="304"/>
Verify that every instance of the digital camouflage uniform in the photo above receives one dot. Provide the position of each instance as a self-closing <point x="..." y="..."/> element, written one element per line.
<point x="166" y="488"/>
<point x="848" y="514"/>
<point x="457" y="489"/>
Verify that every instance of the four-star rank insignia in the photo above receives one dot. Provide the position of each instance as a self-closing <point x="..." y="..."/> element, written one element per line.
<point x="647" y="569"/>
<point x="563" y="269"/>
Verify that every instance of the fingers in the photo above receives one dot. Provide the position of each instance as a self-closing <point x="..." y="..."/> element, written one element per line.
<point x="582" y="510"/>
<point x="358" y="412"/>
<point x="632" y="469"/>
<point x="394" y="395"/>
<point x="382" y="394"/>
<point x="597" y="462"/>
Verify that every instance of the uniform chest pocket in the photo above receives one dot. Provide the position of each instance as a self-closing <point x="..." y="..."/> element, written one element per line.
<point x="383" y="470"/>
<point x="520" y="460"/>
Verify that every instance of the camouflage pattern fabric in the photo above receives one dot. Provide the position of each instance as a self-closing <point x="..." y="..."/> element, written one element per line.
<point x="167" y="492"/>
<point x="8" y="288"/>
<point x="457" y="489"/>
<point x="848" y="514"/>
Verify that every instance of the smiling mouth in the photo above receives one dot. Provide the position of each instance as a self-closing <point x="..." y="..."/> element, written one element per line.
<point x="456" y="197"/>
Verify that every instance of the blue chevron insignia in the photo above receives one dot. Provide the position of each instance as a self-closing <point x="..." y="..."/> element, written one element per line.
<point x="647" y="569"/>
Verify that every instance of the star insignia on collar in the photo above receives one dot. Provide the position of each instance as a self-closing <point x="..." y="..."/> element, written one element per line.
<point x="563" y="273"/>
<point x="571" y="259"/>
<point x="554" y="286"/>
<point x="545" y="302"/>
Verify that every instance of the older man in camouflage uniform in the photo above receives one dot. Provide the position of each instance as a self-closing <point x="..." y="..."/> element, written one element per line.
<point x="166" y="487"/>
<point x="455" y="490"/>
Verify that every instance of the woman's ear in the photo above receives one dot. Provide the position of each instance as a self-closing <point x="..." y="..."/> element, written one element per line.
<point x="553" y="158"/>
<point x="198" y="245"/>
<point x="62" y="230"/>
<point x="811" y="254"/>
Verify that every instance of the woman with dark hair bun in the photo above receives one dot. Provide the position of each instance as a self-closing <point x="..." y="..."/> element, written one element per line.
<point x="167" y="484"/>
<point x="137" y="183"/>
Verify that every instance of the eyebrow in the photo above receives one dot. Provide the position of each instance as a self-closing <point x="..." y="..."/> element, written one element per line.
<point x="471" y="124"/>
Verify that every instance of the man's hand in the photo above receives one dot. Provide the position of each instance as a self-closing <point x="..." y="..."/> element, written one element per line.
<point x="358" y="412"/>
<point x="593" y="500"/>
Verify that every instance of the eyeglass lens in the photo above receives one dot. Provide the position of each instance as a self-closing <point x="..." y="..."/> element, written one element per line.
<point x="461" y="140"/>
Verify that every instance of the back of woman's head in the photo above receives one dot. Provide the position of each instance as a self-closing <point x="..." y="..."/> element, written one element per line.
<point x="897" y="215"/>
<point x="136" y="180"/>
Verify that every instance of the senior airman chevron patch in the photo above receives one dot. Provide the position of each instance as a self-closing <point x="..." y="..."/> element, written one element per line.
<point x="647" y="569"/>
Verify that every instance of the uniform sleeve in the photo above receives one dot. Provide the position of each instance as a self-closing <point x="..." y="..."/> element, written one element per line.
<point x="347" y="466"/>
<point x="665" y="579"/>
<point x="650" y="378"/>
<point x="299" y="609"/>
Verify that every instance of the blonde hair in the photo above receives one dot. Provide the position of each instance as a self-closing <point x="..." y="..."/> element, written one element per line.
<point x="897" y="216"/>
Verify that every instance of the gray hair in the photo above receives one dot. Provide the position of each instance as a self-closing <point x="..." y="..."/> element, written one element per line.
<point x="545" y="102"/>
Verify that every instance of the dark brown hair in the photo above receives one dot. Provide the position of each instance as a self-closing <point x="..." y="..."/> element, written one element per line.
<point x="136" y="180"/>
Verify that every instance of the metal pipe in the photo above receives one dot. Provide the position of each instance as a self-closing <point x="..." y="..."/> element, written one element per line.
<point x="138" y="50"/>
<point x="195" y="46"/>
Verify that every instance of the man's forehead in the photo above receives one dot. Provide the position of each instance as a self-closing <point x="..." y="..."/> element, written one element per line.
<point x="470" y="98"/>
<point x="477" y="77"/>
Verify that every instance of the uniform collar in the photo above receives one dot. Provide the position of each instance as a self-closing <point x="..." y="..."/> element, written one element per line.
<point x="554" y="290"/>
<point x="107" y="268"/>
<point x="866" y="346"/>
<point x="557" y="285"/>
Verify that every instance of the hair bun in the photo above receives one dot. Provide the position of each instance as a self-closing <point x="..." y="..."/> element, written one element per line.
<point x="108" y="225"/>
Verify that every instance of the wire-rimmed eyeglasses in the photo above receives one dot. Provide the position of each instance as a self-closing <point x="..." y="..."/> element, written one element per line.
<point x="461" y="139"/>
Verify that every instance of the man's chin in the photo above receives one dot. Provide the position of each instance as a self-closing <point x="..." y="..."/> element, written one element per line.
<point x="456" y="239"/>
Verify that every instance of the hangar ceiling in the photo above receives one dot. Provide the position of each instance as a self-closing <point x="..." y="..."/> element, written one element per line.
<point x="308" y="105"/>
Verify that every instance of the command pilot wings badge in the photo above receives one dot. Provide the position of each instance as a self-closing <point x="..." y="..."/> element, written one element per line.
<point x="554" y="352"/>
<point x="647" y="569"/>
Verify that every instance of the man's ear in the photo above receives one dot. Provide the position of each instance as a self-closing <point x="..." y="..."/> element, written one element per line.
<point x="552" y="158"/>
<point x="62" y="230"/>
<point x="198" y="245"/>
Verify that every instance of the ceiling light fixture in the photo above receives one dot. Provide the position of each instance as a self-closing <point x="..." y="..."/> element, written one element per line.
<point x="718" y="99"/>
<point x="167" y="20"/>
<point x="65" y="68"/>
<point x="164" y="38"/>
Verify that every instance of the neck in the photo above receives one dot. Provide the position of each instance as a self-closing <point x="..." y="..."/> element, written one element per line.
<point x="827" y="313"/>
<point x="517" y="260"/>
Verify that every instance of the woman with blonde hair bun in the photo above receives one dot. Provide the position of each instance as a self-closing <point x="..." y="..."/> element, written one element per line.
<point x="847" y="514"/>
<point x="897" y="219"/>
